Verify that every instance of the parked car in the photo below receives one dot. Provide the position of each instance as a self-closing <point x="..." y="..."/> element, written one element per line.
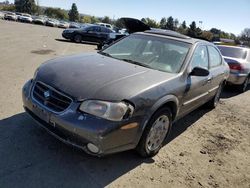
<point x="105" y="25"/>
<point x="63" y="24"/>
<point x="39" y="20"/>
<point x="238" y="59"/>
<point x="131" y="25"/>
<point x="25" y="18"/>
<point x="2" y="15"/>
<point x="74" y="25"/>
<point x="128" y="95"/>
<point x="10" y="16"/>
<point x="51" y="22"/>
<point x="91" y="33"/>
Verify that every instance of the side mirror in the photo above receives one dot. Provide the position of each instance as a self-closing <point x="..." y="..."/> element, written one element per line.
<point x="199" y="71"/>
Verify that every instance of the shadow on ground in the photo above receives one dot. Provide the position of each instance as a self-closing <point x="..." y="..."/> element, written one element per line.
<point x="30" y="157"/>
<point x="231" y="91"/>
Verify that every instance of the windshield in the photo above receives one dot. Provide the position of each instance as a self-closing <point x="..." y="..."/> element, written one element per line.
<point x="239" y="53"/>
<point x="153" y="52"/>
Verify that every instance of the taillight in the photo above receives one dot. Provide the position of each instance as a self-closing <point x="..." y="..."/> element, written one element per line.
<point x="235" y="66"/>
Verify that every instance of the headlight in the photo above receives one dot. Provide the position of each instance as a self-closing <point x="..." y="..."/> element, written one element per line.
<point x="107" y="110"/>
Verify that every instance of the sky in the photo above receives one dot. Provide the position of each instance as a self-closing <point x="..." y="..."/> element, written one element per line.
<point x="228" y="15"/>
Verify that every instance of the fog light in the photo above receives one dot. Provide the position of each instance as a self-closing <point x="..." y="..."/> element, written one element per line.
<point x="91" y="147"/>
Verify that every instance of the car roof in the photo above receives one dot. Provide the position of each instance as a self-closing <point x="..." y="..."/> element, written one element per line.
<point x="173" y="35"/>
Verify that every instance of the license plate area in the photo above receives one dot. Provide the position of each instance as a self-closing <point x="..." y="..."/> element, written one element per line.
<point x="41" y="113"/>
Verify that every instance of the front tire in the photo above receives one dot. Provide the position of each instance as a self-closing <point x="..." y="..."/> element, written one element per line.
<point x="155" y="133"/>
<point x="78" y="38"/>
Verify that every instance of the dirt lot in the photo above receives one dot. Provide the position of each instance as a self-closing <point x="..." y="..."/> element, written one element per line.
<point x="207" y="148"/>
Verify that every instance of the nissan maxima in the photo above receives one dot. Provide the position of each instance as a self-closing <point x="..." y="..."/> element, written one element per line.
<point x="128" y="95"/>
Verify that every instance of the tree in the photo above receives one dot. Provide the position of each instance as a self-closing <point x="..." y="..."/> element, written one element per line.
<point x="94" y="19"/>
<point x="245" y="36"/>
<point x="106" y="19"/>
<point x="207" y="35"/>
<point x="170" y="23"/>
<point x="176" y="23"/>
<point x="163" y="23"/>
<point x="183" y="25"/>
<point x="56" y="13"/>
<point x="86" y="19"/>
<point x="150" y="22"/>
<point x="73" y="13"/>
<point x="26" y="6"/>
<point x="192" y="30"/>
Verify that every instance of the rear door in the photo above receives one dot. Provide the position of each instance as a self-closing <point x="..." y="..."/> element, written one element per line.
<point x="92" y="34"/>
<point x="216" y="69"/>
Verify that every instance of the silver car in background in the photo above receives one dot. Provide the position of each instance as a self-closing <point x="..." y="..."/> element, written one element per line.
<point x="238" y="59"/>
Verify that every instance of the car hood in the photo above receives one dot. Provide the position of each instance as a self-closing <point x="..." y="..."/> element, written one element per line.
<point x="134" y="25"/>
<point x="94" y="76"/>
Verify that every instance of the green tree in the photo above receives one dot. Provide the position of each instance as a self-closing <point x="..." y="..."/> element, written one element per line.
<point x="192" y="29"/>
<point x="73" y="13"/>
<point x="8" y="8"/>
<point x="56" y="13"/>
<point x="150" y="22"/>
<point x="183" y="25"/>
<point x="94" y="19"/>
<point x="86" y="19"/>
<point x="170" y="23"/>
<point x="25" y="6"/>
<point x="163" y="23"/>
<point x="106" y="19"/>
<point x="207" y="35"/>
<point x="245" y="36"/>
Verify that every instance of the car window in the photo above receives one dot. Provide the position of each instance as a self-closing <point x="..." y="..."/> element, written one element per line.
<point x="153" y="52"/>
<point x="94" y="29"/>
<point x="200" y="58"/>
<point x="234" y="52"/>
<point x="105" y="30"/>
<point x="214" y="57"/>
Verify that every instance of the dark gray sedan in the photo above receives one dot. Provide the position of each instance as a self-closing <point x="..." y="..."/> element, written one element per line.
<point x="128" y="95"/>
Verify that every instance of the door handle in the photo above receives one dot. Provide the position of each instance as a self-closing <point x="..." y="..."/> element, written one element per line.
<point x="209" y="79"/>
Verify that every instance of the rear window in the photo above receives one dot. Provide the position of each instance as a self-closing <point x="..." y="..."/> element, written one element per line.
<point x="239" y="53"/>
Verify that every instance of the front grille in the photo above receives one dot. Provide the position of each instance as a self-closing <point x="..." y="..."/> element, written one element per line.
<point x="50" y="98"/>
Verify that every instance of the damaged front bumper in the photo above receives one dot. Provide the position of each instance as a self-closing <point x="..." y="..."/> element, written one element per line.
<point x="80" y="130"/>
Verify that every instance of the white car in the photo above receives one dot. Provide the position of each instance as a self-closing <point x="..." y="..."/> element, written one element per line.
<point x="10" y="16"/>
<point x="25" y="18"/>
<point x="2" y="15"/>
<point x="105" y="25"/>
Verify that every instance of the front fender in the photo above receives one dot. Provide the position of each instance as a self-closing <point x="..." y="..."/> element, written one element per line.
<point x="158" y="104"/>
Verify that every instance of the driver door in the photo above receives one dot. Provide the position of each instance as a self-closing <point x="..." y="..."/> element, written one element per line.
<point x="197" y="87"/>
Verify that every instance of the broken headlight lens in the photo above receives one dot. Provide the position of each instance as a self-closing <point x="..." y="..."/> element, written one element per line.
<point x="108" y="110"/>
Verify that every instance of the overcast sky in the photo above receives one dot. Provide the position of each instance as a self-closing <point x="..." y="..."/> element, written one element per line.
<point x="227" y="15"/>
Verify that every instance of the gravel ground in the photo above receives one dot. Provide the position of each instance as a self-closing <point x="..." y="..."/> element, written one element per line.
<point x="206" y="148"/>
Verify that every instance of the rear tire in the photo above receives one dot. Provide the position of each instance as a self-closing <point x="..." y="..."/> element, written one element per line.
<point x="215" y="100"/>
<point x="244" y="86"/>
<point x="155" y="133"/>
<point x="78" y="38"/>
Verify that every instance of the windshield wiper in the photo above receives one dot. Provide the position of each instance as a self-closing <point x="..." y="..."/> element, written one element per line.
<point x="104" y="53"/>
<point x="136" y="63"/>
